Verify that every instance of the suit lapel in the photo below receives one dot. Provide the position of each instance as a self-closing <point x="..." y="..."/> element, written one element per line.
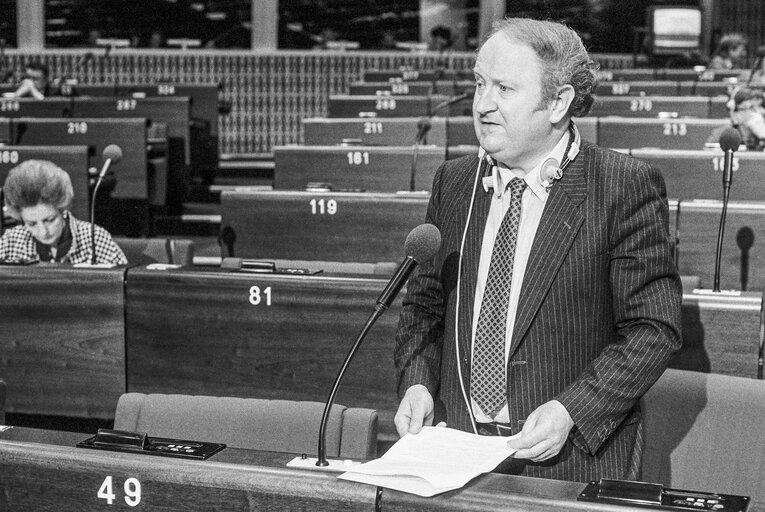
<point x="558" y="227"/>
<point x="470" y="259"/>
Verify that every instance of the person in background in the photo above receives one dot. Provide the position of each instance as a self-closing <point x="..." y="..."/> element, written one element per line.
<point x="730" y="53"/>
<point x="38" y="193"/>
<point x="35" y="84"/>
<point x="553" y="303"/>
<point x="440" y="39"/>
<point x="748" y="117"/>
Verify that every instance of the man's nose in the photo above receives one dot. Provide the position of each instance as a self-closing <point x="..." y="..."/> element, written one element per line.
<point x="484" y="103"/>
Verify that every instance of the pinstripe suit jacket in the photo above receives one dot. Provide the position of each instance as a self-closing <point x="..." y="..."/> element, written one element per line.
<point x="598" y="317"/>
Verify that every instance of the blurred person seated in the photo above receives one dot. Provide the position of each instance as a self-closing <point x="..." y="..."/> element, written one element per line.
<point x="35" y="83"/>
<point x="748" y="117"/>
<point x="730" y="53"/>
<point x="38" y="193"/>
<point x="440" y="39"/>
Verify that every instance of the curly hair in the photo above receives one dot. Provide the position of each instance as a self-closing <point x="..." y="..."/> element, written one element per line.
<point x="34" y="182"/>
<point x="561" y="52"/>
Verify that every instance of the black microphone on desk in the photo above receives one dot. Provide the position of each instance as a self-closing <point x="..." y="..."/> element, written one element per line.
<point x="730" y="139"/>
<point x="424" y="125"/>
<point x="112" y="154"/>
<point x="421" y="244"/>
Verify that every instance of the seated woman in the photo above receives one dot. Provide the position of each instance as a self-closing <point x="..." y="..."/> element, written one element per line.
<point x="730" y="53"/>
<point x="748" y="117"/>
<point x="38" y="193"/>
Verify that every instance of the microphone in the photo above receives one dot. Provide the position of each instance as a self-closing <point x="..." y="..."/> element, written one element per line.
<point x="424" y="125"/>
<point x="112" y="154"/>
<point x="421" y="244"/>
<point x="730" y="139"/>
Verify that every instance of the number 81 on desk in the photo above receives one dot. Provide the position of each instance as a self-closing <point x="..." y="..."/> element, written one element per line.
<point x="132" y="488"/>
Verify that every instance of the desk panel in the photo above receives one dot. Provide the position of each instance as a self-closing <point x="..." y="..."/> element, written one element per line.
<point x="698" y="174"/>
<point x="742" y="266"/>
<point x="385" y="88"/>
<point x="381" y="106"/>
<point x="653" y="106"/>
<point x="96" y="133"/>
<point x="62" y="340"/>
<point x="721" y="333"/>
<point x="73" y="159"/>
<point x="354" y="227"/>
<point x="638" y="88"/>
<point x="367" y="168"/>
<point x="206" y="332"/>
<point x="628" y="133"/>
<point x="383" y="131"/>
<point x="5" y="130"/>
<point x="44" y="472"/>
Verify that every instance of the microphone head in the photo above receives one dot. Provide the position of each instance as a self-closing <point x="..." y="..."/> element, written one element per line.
<point x="730" y="139"/>
<point x="422" y="242"/>
<point x="112" y="152"/>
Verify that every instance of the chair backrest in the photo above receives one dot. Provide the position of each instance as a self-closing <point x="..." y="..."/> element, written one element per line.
<point x="252" y="423"/>
<point x="2" y="402"/>
<point x="144" y="251"/>
<point x="706" y="432"/>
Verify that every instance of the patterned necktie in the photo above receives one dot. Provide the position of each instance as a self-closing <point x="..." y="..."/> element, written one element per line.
<point x="488" y="378"/>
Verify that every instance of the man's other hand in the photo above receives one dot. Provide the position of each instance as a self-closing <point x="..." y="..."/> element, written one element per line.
<point x="544" y="433"/>
<point x="414" y="411"/>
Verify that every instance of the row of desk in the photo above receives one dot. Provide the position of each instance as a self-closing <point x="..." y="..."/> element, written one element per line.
<point x="73" y="340"/>
<point x="690" y="75"/>
<point x="43" y="471"/>
<point x="371" y="228"/>
<point x="374" y="106"/>
<point x="611" y="132"/>
<point x="689" y="174"/>
<point x="604" y="88"/>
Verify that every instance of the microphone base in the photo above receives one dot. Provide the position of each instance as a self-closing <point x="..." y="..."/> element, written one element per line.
<point x="335" y="465"/>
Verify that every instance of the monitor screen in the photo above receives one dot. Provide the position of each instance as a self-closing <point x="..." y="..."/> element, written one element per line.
<point x="676" y="28"/>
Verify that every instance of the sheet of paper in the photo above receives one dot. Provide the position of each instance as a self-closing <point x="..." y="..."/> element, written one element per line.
<point x="434" y="461"/>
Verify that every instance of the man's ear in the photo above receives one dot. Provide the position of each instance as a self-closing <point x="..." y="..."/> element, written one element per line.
<point x="559" y="106"/>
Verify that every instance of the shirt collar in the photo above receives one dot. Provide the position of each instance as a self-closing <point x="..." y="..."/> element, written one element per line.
<point x="500" y="175"/>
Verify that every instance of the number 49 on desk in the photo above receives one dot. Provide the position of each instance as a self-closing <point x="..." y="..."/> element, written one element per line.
<point x="132" y="488"/>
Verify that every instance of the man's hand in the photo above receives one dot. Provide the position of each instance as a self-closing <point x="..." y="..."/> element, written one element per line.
<point x="28" y="88"/>
<point x="544" y="433"/>
<point x="414" y="411"/>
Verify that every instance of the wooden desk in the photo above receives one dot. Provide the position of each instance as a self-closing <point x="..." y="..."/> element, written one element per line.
<point x="676" y="134"/>
<point x="638" y="88"/>
<point x="73" y="159"/>
<point x="329" y="226"/>
<point x="367" y="168"/>
<point x="385" y="88"/>
<point x="722" y="333"/>
<point x="698" y="174"/>
<point x="742" y="265"/>
<point x="383" y="131"/>
<point x="43" y="471"/>
<point x="62" y="339"/>
<point x="340" y="105"/>
<point x="701" y="107"/>
<point x="97" y="134"/>
<point x="206" y="332"/>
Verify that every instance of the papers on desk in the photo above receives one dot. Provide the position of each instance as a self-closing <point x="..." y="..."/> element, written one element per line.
<point x="434" y="461"/>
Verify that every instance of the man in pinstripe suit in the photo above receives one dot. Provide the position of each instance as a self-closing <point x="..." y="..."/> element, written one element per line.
<point x="593" y="309"/>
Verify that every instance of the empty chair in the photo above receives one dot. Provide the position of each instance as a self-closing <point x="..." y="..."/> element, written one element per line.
<point x="703" y="432"/>
<point x="144" y="251"/>
<point x="251" y="423"/>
